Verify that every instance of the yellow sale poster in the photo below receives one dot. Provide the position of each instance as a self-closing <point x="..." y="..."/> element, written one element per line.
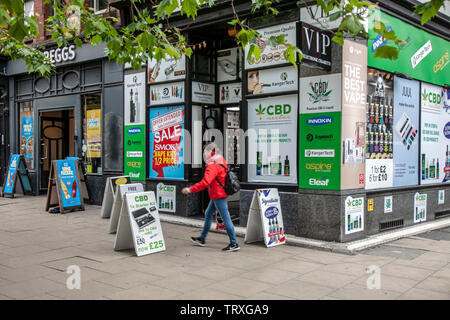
<point x="93" y="133"/>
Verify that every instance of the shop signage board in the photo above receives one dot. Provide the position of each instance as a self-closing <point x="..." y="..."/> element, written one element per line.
<point x="169" y="93"/>
<point x="166" y="196"/>
<point x="272" y="80"/>
<point x="315" y="46"/>
<point x="423" y="57"/>
<point x="354" y="215"/>
<point x="170" y="69"/>
<point x="271" y="56"/>
<point x="166" y="142"/>
<point x="435" y="135"/>
<point x="139" y="225"/>
<point x="134" y="129"/>
<point x="110" y="193"/>
<point x="17" y="171"/>
<point x="203" y="92"/>
<point x="354" y="81"/>
<point x="84" y="185"/>
<point x="379" y="121"/>
<point x="228" y="64"/>
<point x="265" y="219"/>
<point x="230" y="93"/>
<point x="406" y="131"/>
<point x="388" y="203"/>
<point x="320" y="94"/>
<point x="420" y="207"/>
<point x="272" y="147"/>
<point x="64" y="186"/>
<point x="118" y="201"/>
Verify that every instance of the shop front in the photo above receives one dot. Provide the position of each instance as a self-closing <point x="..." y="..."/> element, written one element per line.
<point x="66" y="114"/>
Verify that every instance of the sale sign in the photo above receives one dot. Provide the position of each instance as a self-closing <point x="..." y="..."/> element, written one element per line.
<point x="167" y="142"/>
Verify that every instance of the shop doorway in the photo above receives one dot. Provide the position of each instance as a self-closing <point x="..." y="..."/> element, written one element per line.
<point x="56" y="140"/>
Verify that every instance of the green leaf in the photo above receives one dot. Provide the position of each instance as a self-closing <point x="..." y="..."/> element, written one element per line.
<point x="428" y="10"/>
<point x="18" y="30"/>
<point x="386" y="52"/>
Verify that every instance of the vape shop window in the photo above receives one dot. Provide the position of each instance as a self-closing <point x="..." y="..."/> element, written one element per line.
<point x="26" y="132"/>
<point x="92" y="129"/>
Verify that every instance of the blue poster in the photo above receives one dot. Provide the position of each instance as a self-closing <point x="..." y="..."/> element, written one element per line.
<point x="70" y="191"/>
<point x="406" y="132"/>
<point x="27" y="137"/>
<point x="11" y="177"/>
<point x="166" y="145"/>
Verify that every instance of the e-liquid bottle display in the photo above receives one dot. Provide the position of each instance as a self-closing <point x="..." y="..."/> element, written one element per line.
<point x="132" y="108"/>
<point x="286" y="167"/>
<point x="136" y="107"/>
<point x="258" y="163"/>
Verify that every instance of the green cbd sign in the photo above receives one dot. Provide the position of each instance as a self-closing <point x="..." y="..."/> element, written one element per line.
<point x="274" y="110"/>
<point x="431" y="97"/>
<point x="424" y="56"/>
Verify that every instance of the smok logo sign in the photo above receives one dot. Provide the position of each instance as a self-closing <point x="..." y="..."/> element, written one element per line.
<point x="320" y="183"/>
<point x="379" y="41"/>
<point x="319" y="121"/>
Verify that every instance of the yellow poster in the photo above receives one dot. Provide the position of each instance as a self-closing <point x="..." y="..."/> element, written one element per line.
<point x="93" y="133"/>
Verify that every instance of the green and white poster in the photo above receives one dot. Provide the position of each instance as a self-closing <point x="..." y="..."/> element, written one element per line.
<point x="319" y="132"/>
<point x="272" y="134"/>
<point x="134" y="130"/>
<point x="423" y="56"/>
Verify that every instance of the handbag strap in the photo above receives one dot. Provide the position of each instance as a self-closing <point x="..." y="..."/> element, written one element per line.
<point x="216" y="177"/>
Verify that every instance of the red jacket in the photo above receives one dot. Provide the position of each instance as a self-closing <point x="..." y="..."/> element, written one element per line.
<point x="213" y="171"/>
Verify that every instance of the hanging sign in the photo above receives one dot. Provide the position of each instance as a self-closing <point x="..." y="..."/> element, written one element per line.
<point x="64" y="186"/>
<point x="203" y="92"/>
<point x="118" y="202"/>
<point x="271" y="55"/>
<point x="166" y="70"/>
<point x="354" y="215"/>
<point x="110" y="193"/>
<point x="139" y="225"/>
<point x="170" y="93"/>
<point x="134" y="129"/>
<point x="420" y="207"/>
<point x="17" y="170"/>
<point x="230" y="93"/>
<point x="166" y="196"/>
<point x="265" y="220"/>
<point x="316" y="46"/>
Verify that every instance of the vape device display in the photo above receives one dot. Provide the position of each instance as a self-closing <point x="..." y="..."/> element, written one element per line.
<point x="143" y="217"/>
<point x="406" y="131"/>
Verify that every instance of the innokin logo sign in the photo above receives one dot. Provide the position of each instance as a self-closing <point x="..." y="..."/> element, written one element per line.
<point x="319" y="121"/>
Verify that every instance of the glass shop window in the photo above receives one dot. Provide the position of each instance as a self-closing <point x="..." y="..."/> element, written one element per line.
<point x="92" y="132"/>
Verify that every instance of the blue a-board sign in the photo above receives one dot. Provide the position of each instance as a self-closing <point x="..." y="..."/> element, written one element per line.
<point x="11" y="175"/>
<point x="68" y="183"/>
<point x="17" y="171"/>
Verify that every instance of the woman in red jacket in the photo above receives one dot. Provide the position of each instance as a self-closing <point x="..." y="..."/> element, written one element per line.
<point x="215" y="172"/>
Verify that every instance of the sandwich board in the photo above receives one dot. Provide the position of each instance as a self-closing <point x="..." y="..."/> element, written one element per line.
<point x="17" y="168"/>
<point x="117" y="204"/>
<point x="64" y="186"/>
<point x="84" y="186"/>
<point x="265" y="220"/>
<point x="139" y="224"/>
<point x="110" y="193"/>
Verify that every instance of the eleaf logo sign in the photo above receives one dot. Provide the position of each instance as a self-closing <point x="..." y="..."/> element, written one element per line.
<point x="316" y="46"/>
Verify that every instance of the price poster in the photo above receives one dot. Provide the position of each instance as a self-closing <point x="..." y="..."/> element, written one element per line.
<point x="139" y="225"/>
<point x="354" y="215"/>
<point x="68" y="183"/>
<point x="166" y="142"/>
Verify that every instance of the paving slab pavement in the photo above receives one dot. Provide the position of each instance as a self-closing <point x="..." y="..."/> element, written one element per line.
<point x="37" y="248"/>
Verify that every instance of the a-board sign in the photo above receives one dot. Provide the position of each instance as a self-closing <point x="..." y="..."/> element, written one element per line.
<point x="118" y="200"/>
<point x="166" y="197"/>
<point x="110" y="193"/>
<point x="17" y="171"/>
<point x="139" y="224"/>
<point x="64" y="186"/>
<point x="265" y="220"/>
<point x="84" y="186"/>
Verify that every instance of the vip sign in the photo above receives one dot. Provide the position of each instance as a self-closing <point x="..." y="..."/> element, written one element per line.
<point x="316" y="46"/>
<point x="203" y="92"/>
<point x="354" y="215"/>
